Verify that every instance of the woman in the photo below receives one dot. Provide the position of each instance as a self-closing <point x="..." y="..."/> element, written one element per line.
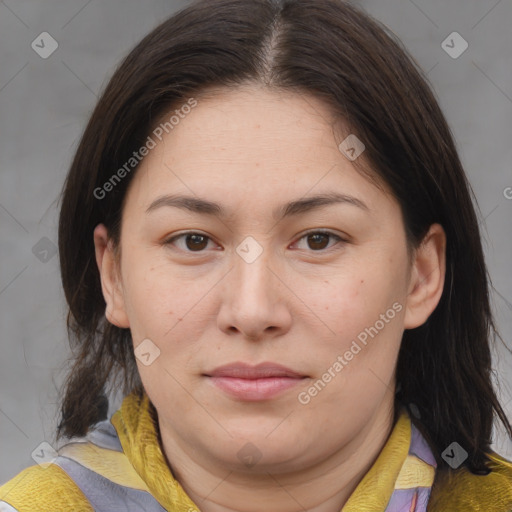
<point x="268" y="239"/>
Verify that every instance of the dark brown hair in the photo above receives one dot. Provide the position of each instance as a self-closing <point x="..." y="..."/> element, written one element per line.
<point x="338" y="53"/>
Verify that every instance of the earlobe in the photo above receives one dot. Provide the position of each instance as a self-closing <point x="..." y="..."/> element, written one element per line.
<point x="115" y="311"/>
<point x="427" y="277"/>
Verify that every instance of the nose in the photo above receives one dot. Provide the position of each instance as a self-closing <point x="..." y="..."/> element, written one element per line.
<point x="255" y="299"/>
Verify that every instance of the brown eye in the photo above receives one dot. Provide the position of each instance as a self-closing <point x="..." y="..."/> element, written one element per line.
<point x="319" y="240"/>
<point x="194" y="242"/>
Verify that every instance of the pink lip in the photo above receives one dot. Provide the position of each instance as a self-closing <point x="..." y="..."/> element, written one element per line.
<point x="254" y="383"/>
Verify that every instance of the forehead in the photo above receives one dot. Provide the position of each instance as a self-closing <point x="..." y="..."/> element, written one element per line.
<point x="250" y="142"/>
<point x="249" y="121"/>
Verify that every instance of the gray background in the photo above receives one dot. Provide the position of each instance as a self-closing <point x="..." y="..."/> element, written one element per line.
<point x="45" y="103"/>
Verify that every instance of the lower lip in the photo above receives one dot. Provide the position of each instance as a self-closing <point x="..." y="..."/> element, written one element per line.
<point x="255" y="389"/>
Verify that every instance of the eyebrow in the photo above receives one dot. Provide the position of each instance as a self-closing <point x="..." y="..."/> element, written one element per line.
<point x="293" y="208"/>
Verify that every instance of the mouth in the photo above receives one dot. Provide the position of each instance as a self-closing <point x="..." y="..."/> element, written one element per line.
<point x="254" y="383"/>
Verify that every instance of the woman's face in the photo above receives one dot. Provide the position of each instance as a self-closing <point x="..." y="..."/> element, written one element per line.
<point x="314" y="290"/>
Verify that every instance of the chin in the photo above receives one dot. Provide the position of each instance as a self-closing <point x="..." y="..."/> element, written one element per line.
<point x="257" y="451"/>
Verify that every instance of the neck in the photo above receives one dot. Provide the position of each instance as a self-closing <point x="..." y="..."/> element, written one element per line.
<point x="322" y="487"/>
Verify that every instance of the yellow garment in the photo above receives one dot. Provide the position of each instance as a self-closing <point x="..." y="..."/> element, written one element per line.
<point x="38" y="489"/>
<point x="143" y="466"/>
<point x="464" y="491"/>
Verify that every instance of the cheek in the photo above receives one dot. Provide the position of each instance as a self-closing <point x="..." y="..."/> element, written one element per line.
<point x="347" y="303"/>
<point x="363" y="320"/>
<point x="353" y="368"/>
<point x="150" y="303"/>
<point x="163" y="306"/>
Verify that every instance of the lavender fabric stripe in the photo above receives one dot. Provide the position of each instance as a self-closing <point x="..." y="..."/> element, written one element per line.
<point x="402" y="499"/>
<point x="420" y="447"/>
<point x="423" y="497"/>
<point x="414" y="499"/>
<point x="105" y="435"/>
<point x="5" y="507"/>
<point x="105" y="495"/>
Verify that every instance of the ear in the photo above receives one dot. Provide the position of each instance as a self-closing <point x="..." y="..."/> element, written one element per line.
<point x="109" y="275"/>
<point x="427" y="277"/>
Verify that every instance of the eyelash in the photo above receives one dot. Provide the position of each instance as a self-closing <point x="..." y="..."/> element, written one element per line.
<point x="170" y="241"/>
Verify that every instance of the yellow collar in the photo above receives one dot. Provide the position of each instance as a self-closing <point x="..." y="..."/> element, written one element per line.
<point x="137" y="427"/>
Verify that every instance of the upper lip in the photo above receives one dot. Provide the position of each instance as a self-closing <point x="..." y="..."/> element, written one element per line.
<point x="247" y="371"/>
